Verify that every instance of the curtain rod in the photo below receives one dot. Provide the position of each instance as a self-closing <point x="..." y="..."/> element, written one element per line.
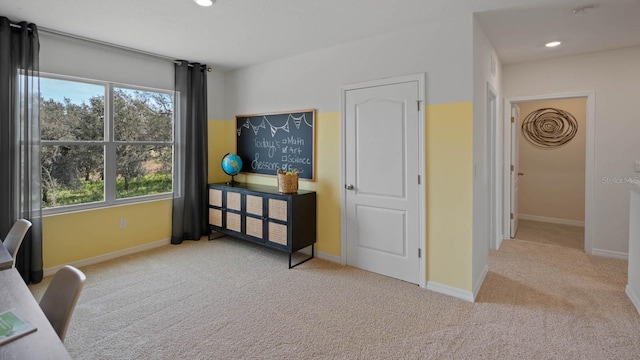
<point x="61" y="34"/>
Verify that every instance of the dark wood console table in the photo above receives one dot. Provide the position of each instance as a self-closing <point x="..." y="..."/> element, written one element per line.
<point x="261" y="214"/>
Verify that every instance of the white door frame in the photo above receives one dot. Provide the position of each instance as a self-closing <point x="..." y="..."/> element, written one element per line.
<point x="422" y="213"/>
<point x="589" y="173"/>
<point x="514" y="170"/>
<point x="494" y="205"/>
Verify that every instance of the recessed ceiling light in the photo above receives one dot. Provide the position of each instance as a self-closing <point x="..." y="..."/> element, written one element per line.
<point x="585" y="10"/>
<point x="552" y="44"/>
<point x="204" y="2"/>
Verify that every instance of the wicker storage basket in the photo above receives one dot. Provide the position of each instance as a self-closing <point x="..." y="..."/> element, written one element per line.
<point x="287" y="182"/>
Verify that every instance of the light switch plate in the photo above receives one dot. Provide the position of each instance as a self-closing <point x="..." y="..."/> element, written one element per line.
<point x="638" y="166"/>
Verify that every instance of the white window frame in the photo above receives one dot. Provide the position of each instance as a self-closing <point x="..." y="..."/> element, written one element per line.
<point x="110" y="144"/>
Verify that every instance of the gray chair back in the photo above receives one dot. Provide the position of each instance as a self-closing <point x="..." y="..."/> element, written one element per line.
<point x="61" y="296"/>
<point x="15" y="236"/>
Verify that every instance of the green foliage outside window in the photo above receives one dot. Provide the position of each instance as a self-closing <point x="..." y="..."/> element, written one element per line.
<point x="75" y="143"/>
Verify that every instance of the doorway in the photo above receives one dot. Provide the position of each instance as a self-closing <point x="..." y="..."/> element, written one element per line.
<point x="546" y="165"/>
<point x="383" y="195"/>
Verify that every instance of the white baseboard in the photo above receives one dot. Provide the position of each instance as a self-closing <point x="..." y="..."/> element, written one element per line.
<point x="110" y="256"/>
<point x="635" y="300"/>
<point x="551" y="220"/>
<point x="318" y="254"/>
<point x="478" y="284"/>
<point x="451" y="291"/>
<point x="321" y="255"/>
<point x="611" y="254"/>
<point x="328" y="257"/>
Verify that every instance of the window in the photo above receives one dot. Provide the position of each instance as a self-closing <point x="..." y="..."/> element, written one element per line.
<point x="104" y="143"/>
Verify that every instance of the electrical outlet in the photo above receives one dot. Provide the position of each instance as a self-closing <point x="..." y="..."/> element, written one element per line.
<point x="123" y="223"/>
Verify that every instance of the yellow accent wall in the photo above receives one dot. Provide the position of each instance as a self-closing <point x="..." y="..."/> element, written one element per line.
<point x="86" y="234"/>
<point x="449" y="164"/>
<point x="221" y="141"/>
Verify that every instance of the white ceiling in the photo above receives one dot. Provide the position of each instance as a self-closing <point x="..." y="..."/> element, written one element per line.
<point x="519" y="34"/>
<point x="236" y="33"/>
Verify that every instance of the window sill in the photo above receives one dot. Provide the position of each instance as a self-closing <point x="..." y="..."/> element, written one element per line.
<point x="60" y="210"/>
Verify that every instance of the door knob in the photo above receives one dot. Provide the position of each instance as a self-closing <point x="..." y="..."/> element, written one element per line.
<point x="520" y="174"/>
<point x="349" y="187"/>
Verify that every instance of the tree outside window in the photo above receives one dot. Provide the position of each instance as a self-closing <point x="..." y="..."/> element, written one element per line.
<point x="83" y="137"/>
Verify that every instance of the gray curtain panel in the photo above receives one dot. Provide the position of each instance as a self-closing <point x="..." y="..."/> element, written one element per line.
<point x="190" y="209"/>
<point x="20" y="141"/>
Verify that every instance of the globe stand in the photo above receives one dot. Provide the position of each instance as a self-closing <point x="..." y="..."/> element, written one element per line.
<point x="233" y="182"/>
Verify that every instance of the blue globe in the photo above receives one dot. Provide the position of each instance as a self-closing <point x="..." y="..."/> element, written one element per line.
<point x="231" y="164"/>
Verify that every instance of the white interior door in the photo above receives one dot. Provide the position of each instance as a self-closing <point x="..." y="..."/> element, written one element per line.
<point x="515" y="167"/>
<point x="382" y="147"/>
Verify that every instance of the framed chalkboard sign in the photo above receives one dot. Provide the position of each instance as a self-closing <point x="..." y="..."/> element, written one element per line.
<point x="268" y="142"/>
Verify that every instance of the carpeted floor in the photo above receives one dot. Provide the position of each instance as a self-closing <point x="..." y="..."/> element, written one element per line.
<point x="227" y="299"/>
<point x="551" y="234"/>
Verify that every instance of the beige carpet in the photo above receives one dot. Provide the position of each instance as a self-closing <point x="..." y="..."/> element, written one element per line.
<point x="226" y="299"/>
<point x="551" y="234"/>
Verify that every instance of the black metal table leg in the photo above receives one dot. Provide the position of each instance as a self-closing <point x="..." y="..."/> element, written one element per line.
<point x="303" y="261"/>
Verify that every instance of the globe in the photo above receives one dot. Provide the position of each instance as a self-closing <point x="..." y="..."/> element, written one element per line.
<point x="231" y="165"/>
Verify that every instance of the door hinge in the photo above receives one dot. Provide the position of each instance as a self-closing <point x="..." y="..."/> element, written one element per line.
<point x="511" y="216"/>
<point x="418" y="179"/>
<point x="419" y="253"/>
<point x="513" y="119"/>
<point x="418" y="104"/>
<point x="512" y="168"/>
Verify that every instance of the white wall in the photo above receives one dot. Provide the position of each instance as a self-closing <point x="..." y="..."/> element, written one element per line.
<point x="483" y="134"/>
<point x="91" y="61"/>
<point x="216" y="95"/>
<point x="83" y="59"/>
<point x="614" y="76"/>
<point x="313" y="80"/>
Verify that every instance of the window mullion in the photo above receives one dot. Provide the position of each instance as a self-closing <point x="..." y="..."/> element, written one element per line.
<point x="110" y="148"/>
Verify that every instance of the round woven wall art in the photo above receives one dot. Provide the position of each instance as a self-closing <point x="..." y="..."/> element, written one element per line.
<point x="549" y="128"/>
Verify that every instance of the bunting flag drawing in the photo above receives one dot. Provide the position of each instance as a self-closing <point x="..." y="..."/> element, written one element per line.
<point x="256" y="128"/>
<point x="297" y="120"/>
<point x="306" y="122"/>
<point x="246" y="125"/>
<point x="274" y="129"/>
